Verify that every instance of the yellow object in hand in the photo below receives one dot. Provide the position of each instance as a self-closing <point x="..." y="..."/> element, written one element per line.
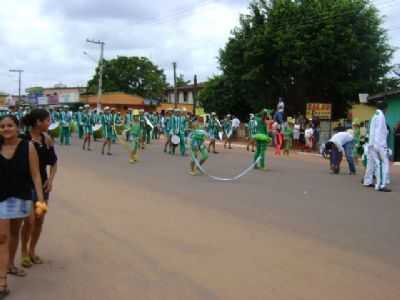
<point x="41" y="208"/>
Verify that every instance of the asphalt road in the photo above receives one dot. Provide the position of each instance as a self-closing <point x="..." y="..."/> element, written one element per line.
<point x="152" y="231"/>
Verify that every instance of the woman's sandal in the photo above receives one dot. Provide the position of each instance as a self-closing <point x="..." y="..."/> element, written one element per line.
<point x="26" y="262"/>
<point x="4" y="291"/>
<point x="16" y="271"/>
<point x="36" y="260"/>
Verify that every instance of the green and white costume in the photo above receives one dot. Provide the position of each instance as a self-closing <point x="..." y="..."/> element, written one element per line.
<point x="179" y="128"/>
<point x="65" y="120"/>
<point x="288" y="138"/>
<point x="213" y="127"/>
<point x="88" y="121"/>
<point x="228" y="128"/>
<point x="107" y="125"/>
<point x="197" y="145"/>
<point x="79" y="121"/>
<point x="135" y="134"/>
<point x="252" y="127"/>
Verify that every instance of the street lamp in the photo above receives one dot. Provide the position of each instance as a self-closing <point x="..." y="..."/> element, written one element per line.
<point x="19" y="82"/>
<point x="90" y="57"/>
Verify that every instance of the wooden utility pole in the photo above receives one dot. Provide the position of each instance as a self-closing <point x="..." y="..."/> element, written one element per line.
<point x="175" y="87"/>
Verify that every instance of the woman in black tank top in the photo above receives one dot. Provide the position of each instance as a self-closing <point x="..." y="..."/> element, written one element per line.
<point x="19" y="174"/>
<point x="38" y="120"/>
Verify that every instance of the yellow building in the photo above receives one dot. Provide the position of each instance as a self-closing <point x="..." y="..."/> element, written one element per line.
<point x="362" y="112"/>
<point x="168" y="106"/>
<point x="120" y="101"/>
<point x="2" y="100"/>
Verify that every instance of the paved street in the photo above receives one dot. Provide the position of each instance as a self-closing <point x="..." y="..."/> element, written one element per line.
<point x="152" y="231"/>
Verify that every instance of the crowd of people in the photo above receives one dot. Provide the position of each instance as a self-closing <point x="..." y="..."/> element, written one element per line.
<point x="371" y="145"/>
<point x="28" y="161"/>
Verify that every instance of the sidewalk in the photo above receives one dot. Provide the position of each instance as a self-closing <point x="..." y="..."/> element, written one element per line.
<point x="243" y="145"/>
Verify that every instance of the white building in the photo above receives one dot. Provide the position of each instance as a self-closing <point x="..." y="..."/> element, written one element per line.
<point x="185" y="94"/>
<point x="63" y="94"/>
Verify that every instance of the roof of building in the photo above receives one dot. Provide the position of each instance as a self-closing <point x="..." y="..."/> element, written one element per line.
<point x="188" y="87"/>
<point x="384" y="95"/>
<point x="66" y="88"/>
<point x="116" y="98"/>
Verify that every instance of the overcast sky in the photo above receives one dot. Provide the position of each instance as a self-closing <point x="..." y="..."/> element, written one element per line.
<point x="47" y="38"/>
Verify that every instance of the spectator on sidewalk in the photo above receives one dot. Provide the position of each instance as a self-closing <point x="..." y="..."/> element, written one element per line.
<point x="38" y="121"/>
<point x="309" y="138"/>
<point x="19" y="176"/>
<point x="341" y="143"/>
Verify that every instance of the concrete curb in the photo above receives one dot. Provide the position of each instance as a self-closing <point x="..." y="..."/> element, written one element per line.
<point x="396" y="164"/>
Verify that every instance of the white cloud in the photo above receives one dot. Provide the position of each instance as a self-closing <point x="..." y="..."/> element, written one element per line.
<point x="46" y="38"/>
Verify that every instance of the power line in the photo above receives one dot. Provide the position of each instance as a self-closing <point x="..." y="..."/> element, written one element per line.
<point x="178" y="13"/>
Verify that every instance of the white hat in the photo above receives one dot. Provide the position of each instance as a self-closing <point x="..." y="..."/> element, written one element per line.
<point x="87" y="106"/>
<point x="350" y="131"/>
<point x="66" y="106"/>
<point x="107" y="108"/>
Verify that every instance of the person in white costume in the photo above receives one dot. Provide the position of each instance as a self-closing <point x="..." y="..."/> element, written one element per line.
<point x="378" y="160"/>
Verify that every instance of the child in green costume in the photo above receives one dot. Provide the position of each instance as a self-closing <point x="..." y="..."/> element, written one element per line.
<point x="135" y="132"/>
<point x="262" y="139"/>
<point x="288" y="137"/>
<point x="198" y="147"/>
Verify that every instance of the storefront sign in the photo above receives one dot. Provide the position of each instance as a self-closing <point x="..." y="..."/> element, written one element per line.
<point x="321" y="110"/>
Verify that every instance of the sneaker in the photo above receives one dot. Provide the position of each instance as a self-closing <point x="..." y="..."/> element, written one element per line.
<point x="385" y="190"/>
<point x="369" y="185"/>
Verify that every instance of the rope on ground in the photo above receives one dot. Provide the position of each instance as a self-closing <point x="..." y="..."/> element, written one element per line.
<point x="237" y="177"/>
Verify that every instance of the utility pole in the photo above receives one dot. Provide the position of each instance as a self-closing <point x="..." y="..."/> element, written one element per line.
<point x="194" y="94"/>
<point x="175" y="87"/>
<point x="19" y="83"/>
<point x="99" y="90"/>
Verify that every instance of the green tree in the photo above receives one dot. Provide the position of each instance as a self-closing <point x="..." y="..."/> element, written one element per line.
<point x="305" y="50"/>
<point x="132" y="75"/>
<point x="218" y="95"/>
<point x="34" y="90"/>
